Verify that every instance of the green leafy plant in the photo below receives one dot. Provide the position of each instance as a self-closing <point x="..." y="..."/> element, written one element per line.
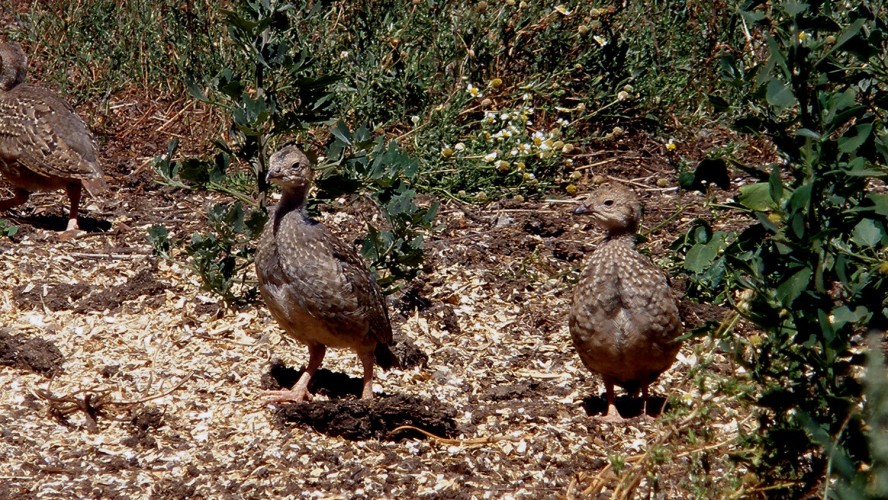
<point x="221" y="256"/>
<point x="359" y="162"/>
<point x="7" y="229"/>
<point x="281" y="93"/>
<point x="811" y="269"/>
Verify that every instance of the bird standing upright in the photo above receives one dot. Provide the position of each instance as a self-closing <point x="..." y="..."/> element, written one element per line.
<point x="318" y="288"/>
<point x="44" y="145"/>
<point x="624" y="319"/>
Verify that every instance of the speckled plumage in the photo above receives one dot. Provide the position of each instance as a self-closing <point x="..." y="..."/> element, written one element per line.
<point x="44" y="145"/>
<point x="317" y="287"/>
<point x="624" y="318"/>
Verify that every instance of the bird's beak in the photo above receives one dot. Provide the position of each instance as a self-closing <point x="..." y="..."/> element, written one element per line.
<point x="581" y="210"/>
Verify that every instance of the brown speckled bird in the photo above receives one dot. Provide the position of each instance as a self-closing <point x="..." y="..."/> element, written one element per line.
<point x="44" y="145"/>
<point x="317" y="287"/>
<point x="624" y="318"/>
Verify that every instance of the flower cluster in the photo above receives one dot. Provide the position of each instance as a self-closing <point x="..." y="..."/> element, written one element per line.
<point x="511" y="138"/>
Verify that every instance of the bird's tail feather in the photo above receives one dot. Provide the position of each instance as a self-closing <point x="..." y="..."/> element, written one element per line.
<point x="385" y="358"/>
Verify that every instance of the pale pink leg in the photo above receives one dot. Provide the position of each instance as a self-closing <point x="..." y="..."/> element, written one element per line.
<point x="74" y="192"/>
<point x="612" y="415"/>
<point x="367" y="359"/>
<point x="299" y="392"/>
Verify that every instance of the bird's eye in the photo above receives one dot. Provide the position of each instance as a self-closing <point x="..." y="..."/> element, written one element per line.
<point x="608" y="203"/>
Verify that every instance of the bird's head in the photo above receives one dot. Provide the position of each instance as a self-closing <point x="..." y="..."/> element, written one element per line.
<point x="13" y="63"/>
<point x="290" y="169"/>
<point x="614" y="207"/>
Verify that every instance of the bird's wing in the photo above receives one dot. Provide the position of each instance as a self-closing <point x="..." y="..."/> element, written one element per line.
<point x="42" y="132"/>
<point x="371" y="300"/>
<point x="649" y="298"/>
<point x="329" y="280"/>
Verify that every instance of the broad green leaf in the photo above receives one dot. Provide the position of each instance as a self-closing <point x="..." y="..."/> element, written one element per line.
<point x="794" y="8"/>
<point x="855" y="137"/>
<point x="801" y="197"/>
<point x="757" y="197"/>
<point x="867" y="233"/>
<point x="699" y="258"/>
<point x="843" y="315"/>
<point x="341" y="132"/>
<point x="779" y="94"/>
<point x="789" y="290"/>
<point x="880" y="202"/>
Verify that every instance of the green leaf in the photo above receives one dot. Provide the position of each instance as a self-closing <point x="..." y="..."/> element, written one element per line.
<point x="867" y="233"/>
<point x="341" y="132"/>
<point x="699" y="258"/>
<point x="196" y="92"/>
<point x="880" y="203"/>
<point x="779" y="94"/>
<point x="854" y="138"/>
<point x="847" y="34"/>
<point x="775" y="185"/>
<point x="794" y="8"/>
<point x="757" y="197"/>
<point x="804" y="132"/>
<point x="789" y="290"/>
<point x="844" y="315"/>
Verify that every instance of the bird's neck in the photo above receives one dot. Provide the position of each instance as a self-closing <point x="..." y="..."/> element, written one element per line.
<point x="621" y="236"/>
<point x="292" y="200"/>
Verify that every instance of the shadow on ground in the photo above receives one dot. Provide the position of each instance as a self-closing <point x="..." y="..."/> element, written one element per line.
<point x="628" y="407"/>
<point x="346" y="416"/>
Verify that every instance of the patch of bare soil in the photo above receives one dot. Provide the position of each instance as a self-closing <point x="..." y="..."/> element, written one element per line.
<point x="29" y="353"/>
<point x="161" y="392"/>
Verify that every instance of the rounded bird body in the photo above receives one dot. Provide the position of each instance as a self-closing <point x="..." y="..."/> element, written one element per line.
<point x="44" y="145"/>
<point x="624" y="318"/>
<point x="318" y="288"/>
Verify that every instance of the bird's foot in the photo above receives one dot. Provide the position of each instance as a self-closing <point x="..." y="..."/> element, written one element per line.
<point x="286" y="396"/>
<point x="73" y="231"/>
<point x="612" y="416"/>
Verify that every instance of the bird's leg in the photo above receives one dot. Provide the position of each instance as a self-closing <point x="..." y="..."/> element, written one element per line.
<point x="299" y="392"/>
<point x="611" y="415"/>
<point x="19" y="197"/>
<point x="367" y="359"/>
<point x="644" y="400"/>
<point x="74" y="191"/>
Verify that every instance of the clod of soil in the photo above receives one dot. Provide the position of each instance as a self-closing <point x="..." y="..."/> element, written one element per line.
<point x="508" y="392"/>
<point x="409" y="355"/>
<point x="30" y="353"/>
<point x="80" y="298"/>
<point x="373" y="419"/>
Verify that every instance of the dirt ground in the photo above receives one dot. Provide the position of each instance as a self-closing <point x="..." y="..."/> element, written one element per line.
<point x="123" y="379"/>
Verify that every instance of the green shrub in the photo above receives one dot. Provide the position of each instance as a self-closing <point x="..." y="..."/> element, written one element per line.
<point x="811" y="269"/>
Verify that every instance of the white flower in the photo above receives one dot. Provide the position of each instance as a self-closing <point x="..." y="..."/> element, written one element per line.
<point x="489" y="117"/>
<point x="561" y="122"/>
<point x="622" y="95"/>
<point x="414" y="119"/>
<point x="505" y="117"/>
<point x="474" y="91"/>
<point x="490" y="157"/>
<point x="459" y="146"/>
<point x="600" y="40"/>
